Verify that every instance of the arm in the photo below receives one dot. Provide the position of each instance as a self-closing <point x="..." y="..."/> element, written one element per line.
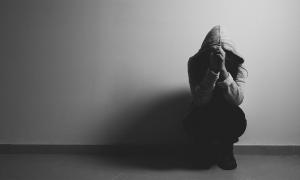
<point x="233" y="89"/>
<point x="202" y="91"/>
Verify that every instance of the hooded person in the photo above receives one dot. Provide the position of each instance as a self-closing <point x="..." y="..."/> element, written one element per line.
<point x="216" y="78"/>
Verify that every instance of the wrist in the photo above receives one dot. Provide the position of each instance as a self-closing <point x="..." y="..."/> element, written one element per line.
<point x="224" y="74"/>
<point x="214" y="70"/>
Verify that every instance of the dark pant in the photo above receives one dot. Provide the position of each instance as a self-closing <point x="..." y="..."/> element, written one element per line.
<point x="223" y="122"/>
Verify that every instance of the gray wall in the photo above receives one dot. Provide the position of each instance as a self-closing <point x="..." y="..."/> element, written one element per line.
<point x="104" y="72"/>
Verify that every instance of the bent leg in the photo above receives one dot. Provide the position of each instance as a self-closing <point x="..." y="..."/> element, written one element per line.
<point x="199" y="124"/>
<point x="215" y="121"/>
<point x="199" y="127"/>
<point x="232" y="122"/>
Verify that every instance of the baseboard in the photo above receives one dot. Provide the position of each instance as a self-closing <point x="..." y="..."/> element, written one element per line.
<point x="141" y="149"/>
<point x="268" y="149"/>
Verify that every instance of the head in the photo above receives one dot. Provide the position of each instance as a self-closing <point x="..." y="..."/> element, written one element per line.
<point x="217" y="42"/>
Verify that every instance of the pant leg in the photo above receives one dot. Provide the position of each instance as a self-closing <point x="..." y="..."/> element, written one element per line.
<point x="231" y="122"/>
<point x="215" y="121"/>
<point x="198" y="124"/>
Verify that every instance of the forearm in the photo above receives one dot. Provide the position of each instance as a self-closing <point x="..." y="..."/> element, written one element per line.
<point x="233" y="90"/>
<point x="202" y="92"/>
<point x="223" y="74"/>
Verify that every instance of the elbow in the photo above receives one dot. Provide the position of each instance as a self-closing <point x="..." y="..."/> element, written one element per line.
<point x="240" y="101"/>
<point x="236" y="100"/>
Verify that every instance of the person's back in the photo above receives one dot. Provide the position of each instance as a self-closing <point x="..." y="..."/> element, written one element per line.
<point x="217" y="81"/>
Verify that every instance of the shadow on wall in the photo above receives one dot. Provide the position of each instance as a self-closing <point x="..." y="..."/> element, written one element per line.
<point x="153" y="130"/>
<point x="154" y="121"/>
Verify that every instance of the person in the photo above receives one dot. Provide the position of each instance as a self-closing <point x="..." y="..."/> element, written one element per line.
<point x="217" y="82"/>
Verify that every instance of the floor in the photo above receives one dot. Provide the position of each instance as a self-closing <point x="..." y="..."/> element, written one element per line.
<point x="86" y="167"/>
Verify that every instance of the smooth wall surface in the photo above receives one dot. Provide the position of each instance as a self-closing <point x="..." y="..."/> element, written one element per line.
<point x="115" y="71"/>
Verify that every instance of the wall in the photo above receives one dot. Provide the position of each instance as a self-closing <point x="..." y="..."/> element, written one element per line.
<point x="104" y="72"/>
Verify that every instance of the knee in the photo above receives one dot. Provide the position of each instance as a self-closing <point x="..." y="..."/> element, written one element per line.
<point x="240" y="120"/>
<point x="234" y="111"/>
<point x="237" y="123"/>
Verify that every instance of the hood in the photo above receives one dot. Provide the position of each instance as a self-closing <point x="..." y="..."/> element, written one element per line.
<point x="217" y="36"/>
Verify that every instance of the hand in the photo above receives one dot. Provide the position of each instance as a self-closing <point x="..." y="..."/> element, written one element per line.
<point x="217" y="59"/>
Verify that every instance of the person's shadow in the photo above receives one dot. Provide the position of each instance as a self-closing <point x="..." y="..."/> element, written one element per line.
<point x="154" y="136"/>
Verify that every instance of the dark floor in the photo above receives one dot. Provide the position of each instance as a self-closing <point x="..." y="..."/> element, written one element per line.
<point x="86" y="167"/>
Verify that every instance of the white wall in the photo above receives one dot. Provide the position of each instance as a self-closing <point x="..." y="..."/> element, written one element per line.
<point x="114" y="71"/>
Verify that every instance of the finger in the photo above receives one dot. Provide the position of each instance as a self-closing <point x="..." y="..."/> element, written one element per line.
<point x="220" y="55"/>
<point x="219" y="50"/>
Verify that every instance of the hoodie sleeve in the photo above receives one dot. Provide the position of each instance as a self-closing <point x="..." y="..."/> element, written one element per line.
<point x="233" y="89"/>
<point x="202" y="92"/>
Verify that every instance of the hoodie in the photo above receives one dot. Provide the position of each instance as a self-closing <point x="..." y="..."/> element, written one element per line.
<point x="204" y="83"/>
